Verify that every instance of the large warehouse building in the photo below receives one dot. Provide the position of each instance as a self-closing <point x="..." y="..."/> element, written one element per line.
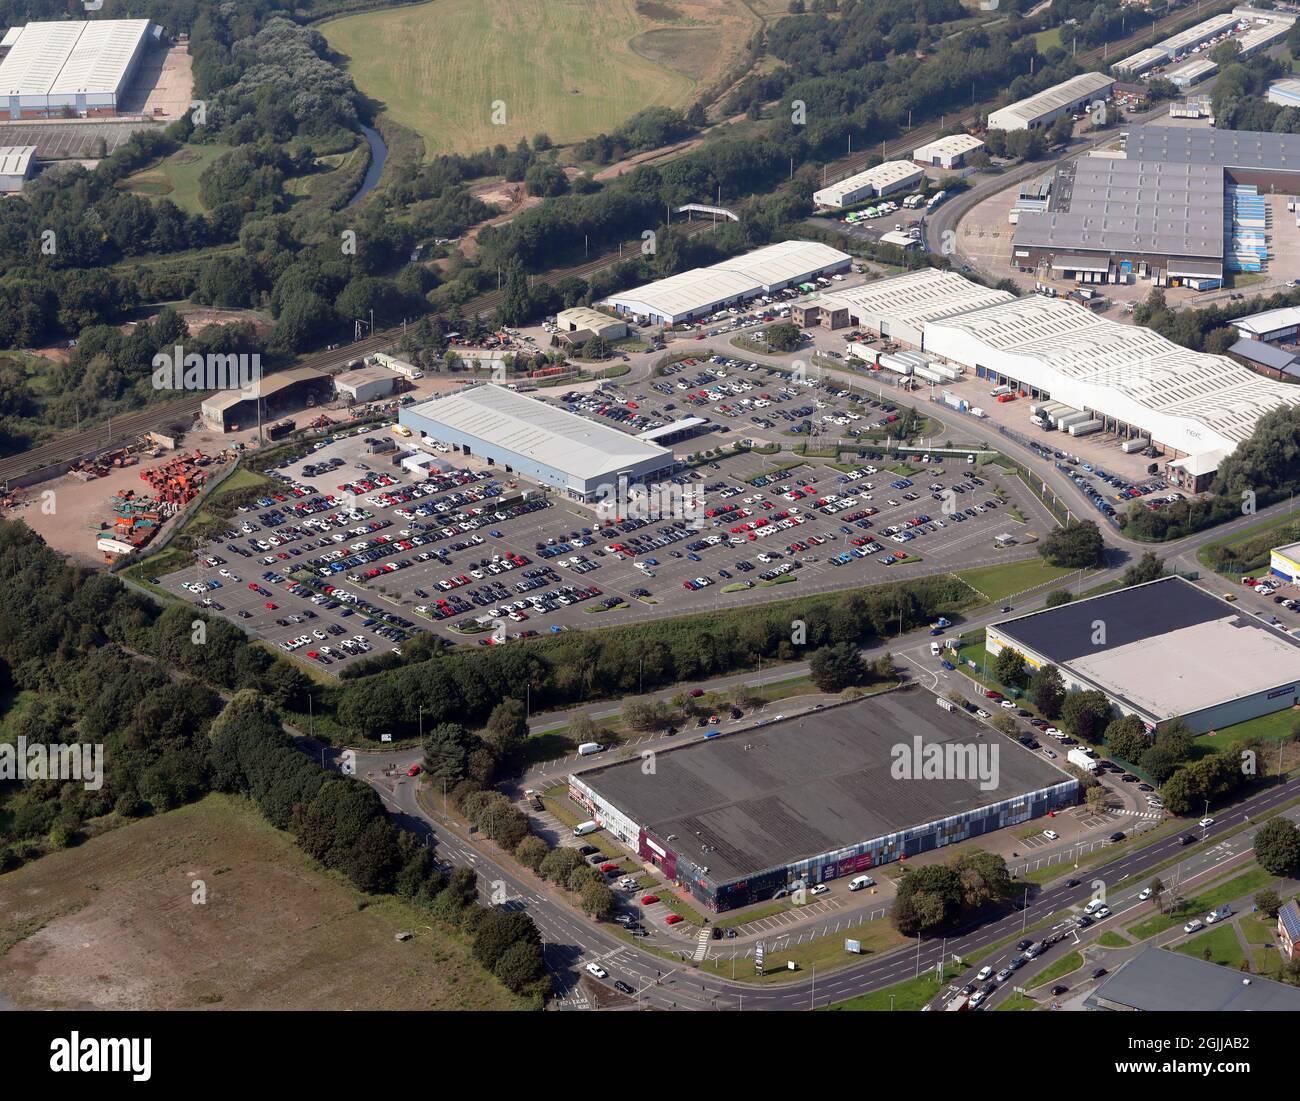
<point x="16" y="165"/>
<point x="899" y="308"/>
<point x="690" y="295"/>
<point x="1196" y="407"/>
<point x="283" y="392"/>
<point x="80" y="68"/>
<point x="528" y="436"/>
<point x="833" y="793"/>
<point x="1111" y="219"/>
<point x="947" y="152"/>
<point x="1041" y="110"/>
<point x="883" y="179"/>
<point x="1269" y="161"/>
<point x="1163" y="649"/>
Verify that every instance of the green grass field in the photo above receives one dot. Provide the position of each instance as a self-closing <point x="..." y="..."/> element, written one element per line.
<point x="177" y="177"/>
<point x="1225" y="948"/>
<point x="999" y="582"/>
<point x="561" y="67"/>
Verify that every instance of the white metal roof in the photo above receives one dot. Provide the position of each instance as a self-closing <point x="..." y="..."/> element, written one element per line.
<point x="584" y="317"/>
<point x="538" y="431"/>
<point x="70" y="57"/>
<point x="15" y="160"/>
<point x="1270" y="321"/>
<point x="1051" y="99"/>
<point x="951" y="146"/>
<point x="692" y="291"/>
<point x="917" y="297"/>
<point x="11" y="36"/>
<point x="885" y="174"/>
<point x="1194" y="402"/>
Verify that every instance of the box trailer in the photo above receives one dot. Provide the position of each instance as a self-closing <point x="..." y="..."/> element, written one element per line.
<point x="1086" y="428"/>
<point x="1136" y="444"/>
<point x="1080" y="758"/>
<point x="1064" y="420"/>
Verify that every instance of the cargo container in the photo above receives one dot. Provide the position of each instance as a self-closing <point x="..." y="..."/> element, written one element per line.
<point x="897" y="363"/>
<point x="1085" y="428"/>
<point x="930" y="375"/>
<point x="1063" y="422"/>
<point x="1080" y="759"/>
<point x="1130" y="446"/>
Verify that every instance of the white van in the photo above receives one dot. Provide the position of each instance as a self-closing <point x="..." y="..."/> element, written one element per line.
<point x="588" y="748"/>
<point x="584" y="828"/>
<point x="934" y="649"/>
<point x="861" y="881"/>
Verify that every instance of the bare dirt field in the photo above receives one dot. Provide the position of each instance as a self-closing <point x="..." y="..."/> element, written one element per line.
<point x="113" y="924"/>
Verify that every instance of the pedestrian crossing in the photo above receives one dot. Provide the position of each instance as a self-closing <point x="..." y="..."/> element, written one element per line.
<point x="702" y="939"/>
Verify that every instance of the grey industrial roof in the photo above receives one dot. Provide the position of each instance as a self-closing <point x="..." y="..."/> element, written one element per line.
<point x="359" y="376"/>
<point x="1052" y="99"/>
<point x="1103" y="204"/>
<point x="761" y="799"/>
<point x="539" y="431"/>
<point x="1268" y="321"/>
<point x="1225" y="148"/>
<point x="1268" y="355"/>
<point x="16" y="160"/>
<point x="1166" y="647"/>
<point x="652" y="434"/>
<point x="268" y="386"/>
<point x="1159" y="980"/>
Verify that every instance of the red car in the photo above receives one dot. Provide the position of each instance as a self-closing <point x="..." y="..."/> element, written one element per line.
<point x="672" y="919"/>
<point x="608" y="867"/>
<point x="271" y="607"/>
<point x="649" y="900"/>
<point x="414" y="770"/>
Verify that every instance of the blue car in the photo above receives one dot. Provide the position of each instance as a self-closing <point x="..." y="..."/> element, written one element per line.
<point x="947" y="665"/>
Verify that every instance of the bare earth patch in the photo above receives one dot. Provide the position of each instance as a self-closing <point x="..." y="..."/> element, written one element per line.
<point x="112" y="925"/>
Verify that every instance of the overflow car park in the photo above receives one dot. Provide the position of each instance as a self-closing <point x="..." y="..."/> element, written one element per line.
<point x="351" y="553"/>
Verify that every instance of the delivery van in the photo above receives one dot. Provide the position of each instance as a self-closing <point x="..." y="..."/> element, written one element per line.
<point x="588" y="748"/>
<point x="584" y="828"/>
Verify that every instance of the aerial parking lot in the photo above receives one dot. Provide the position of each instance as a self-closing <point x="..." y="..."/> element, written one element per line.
<point x="349" y="555"/>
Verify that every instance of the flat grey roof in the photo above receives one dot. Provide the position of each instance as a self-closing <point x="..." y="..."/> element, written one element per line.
<point x="1104" y="204"/>
<point x="765" y="798"/>
<point x="1269" y="355"/>
<point x="1158" y="980"/>
<point x="1167" y="647"/>
<point x="1224" y="148"/>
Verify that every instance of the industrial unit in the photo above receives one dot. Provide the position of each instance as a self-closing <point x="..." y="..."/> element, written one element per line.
<point x="365" y="384"/>
<point x="527" y="435"/>
<point x="1045" y="107"/>
<point x="1157" y="980"/>
<point x="1280" y="324"/>
<point x="1168" y="649"/>
<point x="1284" y="562"/>
<point x="883" y="179"/>
<point x="900" y="307"/>
<point x="79" y="68"/>
<point x="1194" y="406"/>
<point x="1109" y="220"/>
<point x="230" y="410"/>
<point x="581" y="318"/>
<point x="1285" y="93"/>
<point x="736" y="819"/>
<point x="1269" y="161"/>
<point x="693" y="294"/>
<point x="1176" y="46"/>
<point x="17" y="162"/>
<point x="949" y="152"/>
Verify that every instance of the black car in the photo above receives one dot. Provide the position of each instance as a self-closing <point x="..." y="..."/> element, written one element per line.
<point x="1071" y="882"/>
<point x="1187" y="839"/>
<point x="1021" y="945"/>
<point x="1145" y="787"/>
<point x="587" y="850"/>
<point x="1118" y="835"/>
<point x="622" y="987"/>
<point x="1129" y="778"/>
<point x="1058" y="990"/>
<point x="1099" y="972"/>
<point x="968" y="989"/>
<point x="716" y="934"/>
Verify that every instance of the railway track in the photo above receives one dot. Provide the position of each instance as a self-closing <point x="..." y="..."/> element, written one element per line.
<point x="73" y="445"/>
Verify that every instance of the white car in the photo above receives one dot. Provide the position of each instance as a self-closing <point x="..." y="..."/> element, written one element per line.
<point x="1051" y="835"/>
<point x="1206" y="823"/>
<point x="597" y="970"/>
<point x="1101" y="912"/>
<point x="1194" y="925"/>
<point x="984" y="974"/>
<point x="1008" y="705"/>
<point x="820" y="889"/>
<point x="1146" y="894"/>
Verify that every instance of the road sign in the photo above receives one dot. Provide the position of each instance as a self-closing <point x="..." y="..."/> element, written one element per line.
<point x="758" y="957"/>
<point x="852" y="945"/>
<point x="1018" y="989"/>
<point x="385" y="737"/>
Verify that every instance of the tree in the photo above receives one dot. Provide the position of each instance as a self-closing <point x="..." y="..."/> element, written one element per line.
<point x="1076" y="546"/>
<point x="1087" y="714"/>
<point x="1268" y="901"/>
<point x="1057" y="597"/>
<point x="928" y="897"/>
<point x="643" y="716"/>
<point x="835" y="668"/>
<point x="446" y="750"/>
<point x="506" y="728"/>
<point x="516" y="307"/>
<point x="1096" y="797"/>
<point x="597" y="900"/>
<point x="531" y="851"/>
<point x="1277" y="846"/>
<point x="1158" y="892"/>
<point x="558" y="864"/>
<point x="583" y="728"/>
<point x="1003" y="722"/>
<point x="1146" y="568"/>
<point x="1127" y="738"/>
<point x="1047" y="690"/>
<point x="1009" y="667"/>
<point x="784" y="336"/>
